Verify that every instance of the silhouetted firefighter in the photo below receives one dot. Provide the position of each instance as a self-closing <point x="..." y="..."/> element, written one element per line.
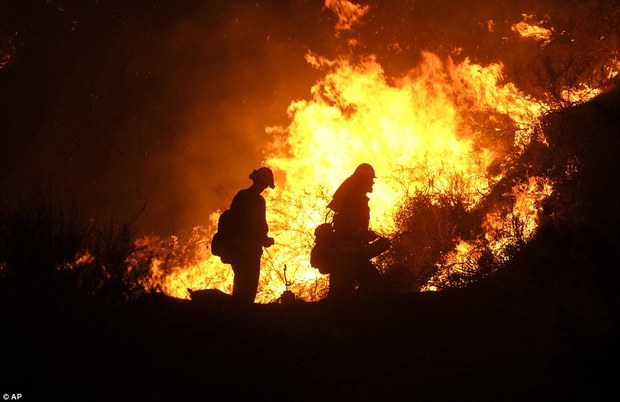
<point x="242" y="234"/>
<point x="353" y="243"/>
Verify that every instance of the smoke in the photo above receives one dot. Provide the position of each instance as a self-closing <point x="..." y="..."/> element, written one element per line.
<point x="120" y="104"/>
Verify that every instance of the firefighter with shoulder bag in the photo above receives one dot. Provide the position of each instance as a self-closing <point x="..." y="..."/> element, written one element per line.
<point x="345" y="246"/>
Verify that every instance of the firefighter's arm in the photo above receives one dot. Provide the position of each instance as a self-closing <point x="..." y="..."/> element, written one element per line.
<point x="370" y="236"/>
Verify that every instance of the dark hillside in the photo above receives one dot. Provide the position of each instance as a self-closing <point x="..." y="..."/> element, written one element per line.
<point x="544" y="328"/>
<point x="462" y="345"/>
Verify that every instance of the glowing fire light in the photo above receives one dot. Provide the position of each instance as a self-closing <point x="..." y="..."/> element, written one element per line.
<point x="439" y="121"/>
<point x="530" y="28"/>
<point x="357" y="114"/>
<point x="348" y="13"/>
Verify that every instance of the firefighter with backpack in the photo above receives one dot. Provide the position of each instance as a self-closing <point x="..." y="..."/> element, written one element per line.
<point x="353" y="244"/>
<point x="241" y="241"/>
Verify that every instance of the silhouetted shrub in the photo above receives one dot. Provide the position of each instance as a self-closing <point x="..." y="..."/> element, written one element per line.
<point x="41" y="239"/>
<point x="113" y="269"/>
<point x="430" y="226"/>
<point x="38" y="236"/>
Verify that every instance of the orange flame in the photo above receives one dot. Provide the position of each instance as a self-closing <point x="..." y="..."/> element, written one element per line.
<point x="503" y="230"/>
<point x="415" y="129"/>
<point x="348" y="13"/>
<point x="438" y="122"/>
<point x="530" y="28"/>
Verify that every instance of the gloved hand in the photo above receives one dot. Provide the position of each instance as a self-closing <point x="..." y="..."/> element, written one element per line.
<point x="370" y="236"/>
<point x="376" y="247"/>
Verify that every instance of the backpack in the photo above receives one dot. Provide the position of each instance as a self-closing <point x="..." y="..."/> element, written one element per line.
<point x="322" y="254"/>
<point x="223" y="242"/>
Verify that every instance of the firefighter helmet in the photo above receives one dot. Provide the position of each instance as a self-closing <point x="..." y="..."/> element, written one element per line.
<point x="263" y="174"/>
<point x="365" y="170"/>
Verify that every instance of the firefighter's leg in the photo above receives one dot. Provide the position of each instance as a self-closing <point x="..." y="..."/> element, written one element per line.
<point x="245" y="284"/>
<point x="341" y="283"/>
<point x="369" y="278"/>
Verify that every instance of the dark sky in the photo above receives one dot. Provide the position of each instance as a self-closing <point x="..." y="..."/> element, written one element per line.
<point x="120" y="103"/>
<point x="123" y="102"/>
